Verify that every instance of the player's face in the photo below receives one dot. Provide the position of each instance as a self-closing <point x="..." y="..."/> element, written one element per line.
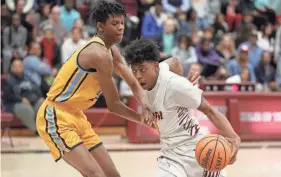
<point x="113" y="28"/>
<point x="146" y="73"/>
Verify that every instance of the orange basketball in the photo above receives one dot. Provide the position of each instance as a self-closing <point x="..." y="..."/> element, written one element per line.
<point x="213" y="152"/>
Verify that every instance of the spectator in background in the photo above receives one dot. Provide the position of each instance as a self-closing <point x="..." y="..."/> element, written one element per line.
<point x="245" y="29"/>
<point x="51" y="51"/>
<point x="71" y="44"/>
<point x="235" y="66"/>
<point x="265" y="73"/>
<point x="202" y="9"/>
<point x="247" y="5"/>
<point x="277" y="52"/>
<point x="54" y="21"/>
<point x="185" y="52"/>
<point x="243" y="76"/>
<point x="44" y="11"/>
<point x="233" y="14"/>
<point x="79" y="23"/>
<point x="182" y="24"/>
<point x="22" y="97"/>
<point x="208" y="33"/>
<point x="20" y="6"/>
<point x="31" y="27"/>
<point x="214" y="8"/>
<point x="68" y="14"/>
<point x="226" y="48"/>
<point x="278" y="74"/>
<point x="166" y="40"/>
<point x="195" y="39"/>
<point x="35" y="68"/>
<point x="153" y="21"/>
<point x="192" y="22"/>
<point x="266" y="9"/>
<point x="14" y="40"/>
<point x="37" y="3"/>
<point x="255" y="51"/>
<point x="266" y="39"/>
<point x="208" y="57"/>
<point x="221" y="74"/>
<point x="173" y="6"/>
<point x="220" y="26"/>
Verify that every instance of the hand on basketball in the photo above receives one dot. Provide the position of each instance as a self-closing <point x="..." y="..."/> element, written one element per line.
<point x="193" y="77"/>
<point x="235" y="142"/>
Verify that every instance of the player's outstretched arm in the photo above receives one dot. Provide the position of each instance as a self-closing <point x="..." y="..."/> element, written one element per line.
<point x="222" y="124"/>
<point x="183" y="94"/>
<point x="122" y="69"/>
<point x="102" y="62"/>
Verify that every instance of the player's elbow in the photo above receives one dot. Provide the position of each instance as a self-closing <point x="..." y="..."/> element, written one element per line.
<point x="206" y="108"/>
<point x="176" y="66"/>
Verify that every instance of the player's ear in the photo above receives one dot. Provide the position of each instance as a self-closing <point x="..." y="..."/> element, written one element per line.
<point x="100" y="26"/>
<point x="156" y="64"/>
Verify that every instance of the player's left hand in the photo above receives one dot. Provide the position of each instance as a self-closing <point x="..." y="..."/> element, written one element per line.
<point x="194" y="77"/>
<point x="235" y="142"/>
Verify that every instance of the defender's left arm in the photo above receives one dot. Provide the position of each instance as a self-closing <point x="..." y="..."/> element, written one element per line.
<point x="122" y="69"/>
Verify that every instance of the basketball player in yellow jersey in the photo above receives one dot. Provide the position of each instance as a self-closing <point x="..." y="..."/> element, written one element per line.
<point x="88" y="72"/>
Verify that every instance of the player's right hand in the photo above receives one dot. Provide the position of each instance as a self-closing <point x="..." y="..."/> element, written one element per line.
<point x="147" y="116"/>
<point x="235" y="142"/>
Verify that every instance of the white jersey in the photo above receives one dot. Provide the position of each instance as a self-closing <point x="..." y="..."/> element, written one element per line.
<point x="171" y="100"/>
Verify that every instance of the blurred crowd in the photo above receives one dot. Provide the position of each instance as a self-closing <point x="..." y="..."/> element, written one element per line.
<point x="234" y="41"/>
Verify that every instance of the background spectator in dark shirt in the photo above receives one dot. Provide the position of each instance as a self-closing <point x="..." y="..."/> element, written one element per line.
<point x="265" y="73"/>
<point x="208" y="57"/>
<point x="22" y="97"/>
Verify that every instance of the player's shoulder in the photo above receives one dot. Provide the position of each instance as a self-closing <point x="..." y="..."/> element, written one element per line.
<point x="116" y="53"/>
<point x="94" y="55"/>
<point x="178" y="83"/>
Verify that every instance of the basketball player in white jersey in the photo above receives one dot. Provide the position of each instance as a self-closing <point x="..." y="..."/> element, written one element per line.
<point x="171" y="97"/>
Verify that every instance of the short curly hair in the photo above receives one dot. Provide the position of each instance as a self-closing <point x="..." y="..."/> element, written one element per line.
<point x="103" y="9"/>
<point x="141" y="50"/>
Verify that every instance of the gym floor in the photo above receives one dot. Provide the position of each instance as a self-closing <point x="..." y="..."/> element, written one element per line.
<point x="30" y="158"/>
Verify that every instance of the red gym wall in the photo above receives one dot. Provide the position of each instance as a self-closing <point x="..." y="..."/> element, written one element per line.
<point x="254" y="116"/>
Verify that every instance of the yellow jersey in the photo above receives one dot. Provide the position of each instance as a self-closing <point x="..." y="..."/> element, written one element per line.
<point x="75" y="87"/>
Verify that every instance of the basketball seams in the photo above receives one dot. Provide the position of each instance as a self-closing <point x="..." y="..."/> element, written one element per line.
<point x="203" y="150"/>
<point x="224" y="152"/>
<point x="215" y="148"/>
<point x="208" y="136"/>
<point x="226" y="142"/>
<point x="214" y="153"/>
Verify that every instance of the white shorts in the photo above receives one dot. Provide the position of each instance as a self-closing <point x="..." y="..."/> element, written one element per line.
<point x="181" y="162"/>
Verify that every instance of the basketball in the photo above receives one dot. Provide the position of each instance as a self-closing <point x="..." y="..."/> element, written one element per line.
<point x="213" y="152"/>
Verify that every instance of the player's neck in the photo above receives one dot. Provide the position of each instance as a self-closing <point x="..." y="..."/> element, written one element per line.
<point x="107" y="44"/>
<point x="156" y="80"/>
